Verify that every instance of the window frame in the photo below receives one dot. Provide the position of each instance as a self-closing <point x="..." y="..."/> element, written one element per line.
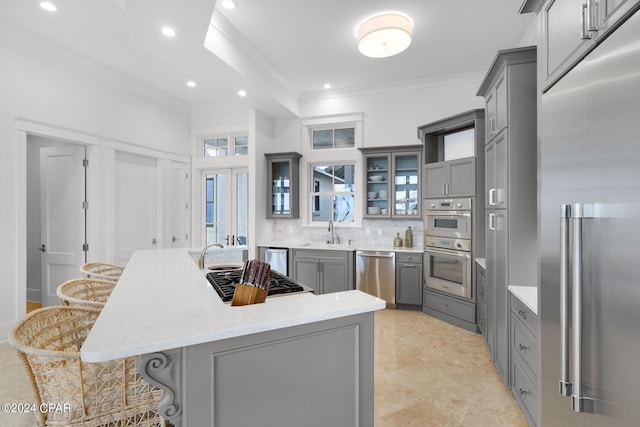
<point x="313" y="199"/>
<point x="232" y="146"/>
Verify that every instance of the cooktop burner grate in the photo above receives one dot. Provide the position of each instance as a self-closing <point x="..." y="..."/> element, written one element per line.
<point x="225" y="284"/>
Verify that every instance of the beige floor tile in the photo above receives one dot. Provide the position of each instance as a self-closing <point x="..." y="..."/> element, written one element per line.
<point x="427" y="373"/>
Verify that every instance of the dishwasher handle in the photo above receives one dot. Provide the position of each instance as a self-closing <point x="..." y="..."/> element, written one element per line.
<point x="376" y="256"/>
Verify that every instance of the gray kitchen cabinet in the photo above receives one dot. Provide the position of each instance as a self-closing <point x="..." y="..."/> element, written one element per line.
<point x="497" y="284"/>
<point x="392" y="183"/>
<point x="283" y="177"/>
<point x="481" y="302"/>
<point x="525" y="355"/>
<point x="409" y="278"/>
<point x="510" y="193"/>
<point x="496" y="172"/>
<point x="572" y="28"/>
<point x="453" y="178"/>
<point x="324" y="271"/>
<point x="496" y="108"/>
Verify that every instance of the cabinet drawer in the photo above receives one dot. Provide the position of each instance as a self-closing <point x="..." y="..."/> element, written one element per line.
<point x="525" y="391"/>
<point x="410" y="258"/>
<point x="525" y="344"/>
<point x="523" y="313"/>
<point x="453" y="307"/>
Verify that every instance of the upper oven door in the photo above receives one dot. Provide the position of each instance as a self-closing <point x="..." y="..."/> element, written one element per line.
<point x="448" y="271"/>
<point x="456" y="224"/>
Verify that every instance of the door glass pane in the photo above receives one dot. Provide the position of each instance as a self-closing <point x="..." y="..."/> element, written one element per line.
<point x="406" y="185"/>
<point x="281" y="192"/>
<point x="242" y="207"/>
<point x="215" y="215"/>
<point x="447" y="268"/>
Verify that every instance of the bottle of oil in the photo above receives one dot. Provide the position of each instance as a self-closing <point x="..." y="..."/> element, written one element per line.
<point x="408" y="238"/>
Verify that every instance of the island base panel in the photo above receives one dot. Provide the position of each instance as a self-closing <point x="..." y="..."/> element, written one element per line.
<point x="316" y="375"/>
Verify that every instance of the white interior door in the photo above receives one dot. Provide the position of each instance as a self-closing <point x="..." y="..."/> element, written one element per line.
<point x="135" y="205"/>
<point x="178" y="205"/>
<point x="62" y="193"/>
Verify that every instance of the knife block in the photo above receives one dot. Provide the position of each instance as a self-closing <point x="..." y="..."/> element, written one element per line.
<point x="247" y="294"/>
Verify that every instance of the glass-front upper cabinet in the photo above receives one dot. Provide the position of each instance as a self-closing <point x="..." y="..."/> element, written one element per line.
<point x="377" y="184"/>
<point x="392" y="181"/>
<point x="406" y="184"/>
<point x="282" y="184"/>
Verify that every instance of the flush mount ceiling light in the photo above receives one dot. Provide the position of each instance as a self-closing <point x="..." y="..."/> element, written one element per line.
<point x="327" y="85"/>
<point x="384" y="35"/>
<point x="48" y="6"/>
<point x="242" y="93"/>
<point x="191" y="83"/>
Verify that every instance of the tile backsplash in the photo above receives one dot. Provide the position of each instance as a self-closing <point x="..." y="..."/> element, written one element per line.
<point x="372" y="233"/>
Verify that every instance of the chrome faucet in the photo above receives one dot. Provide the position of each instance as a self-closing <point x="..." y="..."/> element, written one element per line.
<point x="334" y="238"/>
<point x="204" y="251"/>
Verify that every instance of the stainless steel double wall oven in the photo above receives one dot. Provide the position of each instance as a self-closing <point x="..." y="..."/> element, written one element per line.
<point x="447" y="246"/>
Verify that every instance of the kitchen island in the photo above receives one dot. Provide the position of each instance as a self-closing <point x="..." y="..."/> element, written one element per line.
<point x="300" y="359"/>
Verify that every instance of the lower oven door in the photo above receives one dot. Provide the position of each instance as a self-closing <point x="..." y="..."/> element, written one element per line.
<point x="448" y="271"/>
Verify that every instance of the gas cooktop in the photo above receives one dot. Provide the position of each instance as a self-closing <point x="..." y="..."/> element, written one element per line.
<point x="224" y="282"/>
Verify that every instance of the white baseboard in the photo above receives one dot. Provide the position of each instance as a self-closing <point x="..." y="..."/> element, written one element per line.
<point x="34" y="295"/>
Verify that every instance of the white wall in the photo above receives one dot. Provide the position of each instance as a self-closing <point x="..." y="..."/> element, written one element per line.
<point x="99" y="102"/>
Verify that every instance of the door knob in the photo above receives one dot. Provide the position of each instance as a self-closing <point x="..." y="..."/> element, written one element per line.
<point x="174" y="239"/>
<point x="43" y="248"/>
<point x="154" y="241"/>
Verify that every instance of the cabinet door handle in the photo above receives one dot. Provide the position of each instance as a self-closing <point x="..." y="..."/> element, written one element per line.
<point x="492" y="196"/>
<point x="523" y="314"/>
<point x="583" y="22"/>
<point x="522" y="392"/>
<point x="591" y="23"/>
<point x="409" y="265"/>
<point x="522" y="348"/>
<point x="492" y="124"/>
<point x="492" y="222"/>
<point x="444" y="189"/>
<point x="565" y="381"/>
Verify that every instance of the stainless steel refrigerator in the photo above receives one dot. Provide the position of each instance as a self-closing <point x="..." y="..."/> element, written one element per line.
<point x="590" y="238"/>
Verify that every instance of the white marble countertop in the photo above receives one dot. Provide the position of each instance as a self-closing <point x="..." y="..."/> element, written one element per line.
<point x="163" y="301"/>
<point x="528" y="295"/>
<point x="482" y="262"/>
<point x="357" y="246"/>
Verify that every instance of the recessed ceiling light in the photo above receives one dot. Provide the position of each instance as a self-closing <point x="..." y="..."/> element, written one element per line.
<point x="168" y="31"/>
<point x="191" y="83"/>
<point x="242" y="92"/>
<point x="228" y="4"/>
<point x="46" y="5"/>
<point x="327" y="85"/>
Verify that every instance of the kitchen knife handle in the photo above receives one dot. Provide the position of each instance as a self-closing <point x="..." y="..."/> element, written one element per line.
<point x="565" y="383"/>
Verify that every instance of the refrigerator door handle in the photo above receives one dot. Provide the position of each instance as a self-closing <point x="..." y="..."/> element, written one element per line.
<point x="565" y="382"/>
<point x="579" y="211"/>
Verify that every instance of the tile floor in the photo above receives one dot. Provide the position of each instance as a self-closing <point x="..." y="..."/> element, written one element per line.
<point x="427" y="373"/>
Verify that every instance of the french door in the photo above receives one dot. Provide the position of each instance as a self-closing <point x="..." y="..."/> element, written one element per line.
<point x="226" y="206"/>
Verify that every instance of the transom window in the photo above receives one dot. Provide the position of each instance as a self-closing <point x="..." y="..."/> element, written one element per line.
<point x="332" y="192"/>
<point x="226" y="146"/>
<point x="333" y="138"/>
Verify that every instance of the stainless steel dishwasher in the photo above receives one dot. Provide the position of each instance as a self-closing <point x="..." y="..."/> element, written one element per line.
<point x="376" y="274"/>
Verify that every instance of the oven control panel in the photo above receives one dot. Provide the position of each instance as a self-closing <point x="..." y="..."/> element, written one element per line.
<point x="448" y="204"/>
<point x="447" y="243"/>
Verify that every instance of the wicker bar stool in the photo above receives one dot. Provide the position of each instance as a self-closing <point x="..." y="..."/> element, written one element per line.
<point x="101" y="270"/>
<point x="73" y="392"/>
<point x="85" y="292"/>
